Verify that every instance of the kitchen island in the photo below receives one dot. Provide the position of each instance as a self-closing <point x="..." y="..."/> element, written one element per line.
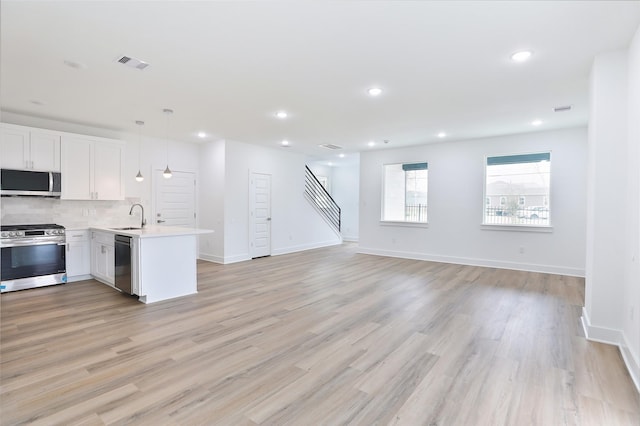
<point x="163" y="260"/>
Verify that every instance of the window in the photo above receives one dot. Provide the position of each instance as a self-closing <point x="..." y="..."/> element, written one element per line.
<point x="518" y="189"/>
<point x="404" y="197"/>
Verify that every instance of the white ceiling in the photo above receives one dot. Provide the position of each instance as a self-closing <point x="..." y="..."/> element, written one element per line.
<point x="227" y="67"/>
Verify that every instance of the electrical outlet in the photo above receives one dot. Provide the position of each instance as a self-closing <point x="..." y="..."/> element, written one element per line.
<point x="631" y="312"/>
<point x="521" y="250"/>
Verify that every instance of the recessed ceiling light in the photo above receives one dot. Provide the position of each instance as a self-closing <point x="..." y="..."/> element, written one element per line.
<point x="371" y="143"/>
<point x="284" y="143"/>
<point x="202" y="135"/>
<point x="442" y="135"/>
<point x="330" y="164"/>
<point x="536" y="122"/>
<point x="341" y="155"/>
<point x="374" y="91"/>
<point x="282" y="114"/>
<point x="521" y="56"/>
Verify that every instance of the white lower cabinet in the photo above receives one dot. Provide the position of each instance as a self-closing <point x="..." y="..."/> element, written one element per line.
<point x="103" y="257"/>
<point x="78" y="255"/>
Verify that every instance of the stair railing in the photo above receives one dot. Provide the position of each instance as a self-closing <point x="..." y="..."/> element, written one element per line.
<point x="321" y="199"/>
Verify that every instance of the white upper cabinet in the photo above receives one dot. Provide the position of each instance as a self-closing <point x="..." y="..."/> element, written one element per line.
<point x="77" y="176"/>
<point x="26" y="148"/>
<point x="92" y="168"/>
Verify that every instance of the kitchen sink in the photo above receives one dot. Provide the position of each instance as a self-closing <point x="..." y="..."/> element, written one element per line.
<point x="127" y="228"/>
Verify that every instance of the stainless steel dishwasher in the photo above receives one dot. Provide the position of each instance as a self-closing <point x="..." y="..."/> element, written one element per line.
<point x="123" y="263"/>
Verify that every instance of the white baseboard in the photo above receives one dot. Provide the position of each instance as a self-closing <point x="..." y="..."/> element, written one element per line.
<point x="599" y="334"/>
<point x="211" y="258"/>
<point x="616" y="338"/>
<point x="303" y="247"/>
<point x="223" y="260"/>
<point x="237" y="258"/>
<point x="530" y="267"/>
<point x="285" y="250"/>
<point x="79" y="278"/>
<point x="350" y="238"/>
<point x="631" y="361"/>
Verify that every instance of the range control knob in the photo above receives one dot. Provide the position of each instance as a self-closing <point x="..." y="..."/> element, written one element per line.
<point x="4" y="234"/>
<point x="12" y="234"/>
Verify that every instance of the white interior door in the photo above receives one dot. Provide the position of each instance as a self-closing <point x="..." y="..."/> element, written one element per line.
<point x="175" y="200"/>
<point x="260" y="214"/>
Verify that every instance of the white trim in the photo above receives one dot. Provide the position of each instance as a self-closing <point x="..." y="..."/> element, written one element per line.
<point x="303" y="247"/>
<point x="403" y="223"/>
<point x="211" y="258"/>
<point x="530" y="267"/>
<point x="599" y="334"/>
<point x="77" y="278"/>
<point x="517" y="228"/>
<point x="613" y="337"/>
<point x="350" y="238"/>
<point x="631" y="361"/>
<point x="236" y="258"/>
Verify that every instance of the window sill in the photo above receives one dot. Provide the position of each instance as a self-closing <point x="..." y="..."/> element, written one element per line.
<point x="517" y="228"/>
<point x="405" y="224"/>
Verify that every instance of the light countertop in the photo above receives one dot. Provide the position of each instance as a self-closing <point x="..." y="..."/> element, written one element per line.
<point x="154" y="231"/>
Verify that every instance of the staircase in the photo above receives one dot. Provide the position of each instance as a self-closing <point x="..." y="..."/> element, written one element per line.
<point x="321" y="200"/>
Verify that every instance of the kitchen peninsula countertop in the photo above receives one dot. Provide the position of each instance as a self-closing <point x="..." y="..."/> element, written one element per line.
<point x="154" y="231"/>
<point x="163" y="260"/>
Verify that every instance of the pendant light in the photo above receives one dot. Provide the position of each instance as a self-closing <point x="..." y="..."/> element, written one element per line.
<point x="139" y="176"/>
<point x="167" y="172"/>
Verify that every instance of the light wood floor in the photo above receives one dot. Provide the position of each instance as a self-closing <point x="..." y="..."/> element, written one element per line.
<point x="325" y="336"/>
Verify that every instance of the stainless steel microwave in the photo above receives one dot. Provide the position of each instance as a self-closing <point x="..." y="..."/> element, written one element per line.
<point x="30" y="183"/>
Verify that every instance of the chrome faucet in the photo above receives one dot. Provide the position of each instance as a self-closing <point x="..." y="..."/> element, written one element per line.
<point x="144" y="222"/>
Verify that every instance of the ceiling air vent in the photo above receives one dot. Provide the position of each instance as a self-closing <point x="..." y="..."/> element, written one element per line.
<point x="562" y="108"/>
<point x="330" y="146"/>
<point x="133" y="62"/>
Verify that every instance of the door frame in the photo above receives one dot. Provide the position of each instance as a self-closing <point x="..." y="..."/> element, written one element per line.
<point x="251" y="206"/>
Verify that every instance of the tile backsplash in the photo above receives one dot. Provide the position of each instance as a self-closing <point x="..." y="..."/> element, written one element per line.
<point x="69" y="213"/>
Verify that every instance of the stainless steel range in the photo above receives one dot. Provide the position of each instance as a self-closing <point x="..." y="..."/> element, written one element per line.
<point x="32" y="256"/>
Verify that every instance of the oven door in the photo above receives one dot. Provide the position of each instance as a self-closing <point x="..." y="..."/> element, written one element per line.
<point x="28" y="265"/>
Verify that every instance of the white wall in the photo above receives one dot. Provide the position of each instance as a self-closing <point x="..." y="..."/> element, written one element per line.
<point x="212" y="197"/>
<point x="346" y="192"/>
<point x="631" y="299"/>
<point x="295" y="224"/>
<point x="606" y="188"/>
<point x="612" y="291"/>
<point x="454" y="233"/>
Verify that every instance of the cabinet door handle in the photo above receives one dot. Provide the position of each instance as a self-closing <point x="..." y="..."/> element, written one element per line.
<point x="160" y="221"/>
